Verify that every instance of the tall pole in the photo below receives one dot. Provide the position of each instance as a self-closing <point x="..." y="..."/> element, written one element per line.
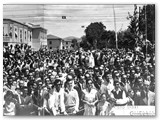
<point x="115" y="27"/>
<point x="146" y="28"/>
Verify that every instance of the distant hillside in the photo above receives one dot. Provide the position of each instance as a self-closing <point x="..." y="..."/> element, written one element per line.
<point x="70" y="38"/>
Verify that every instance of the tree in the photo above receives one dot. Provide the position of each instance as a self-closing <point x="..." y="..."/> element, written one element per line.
<point x="94" y="32"/>
<point x="146" y="22"/>
<point x="126" y="39"/>
<point x="84" y="43"/>
<point x="149" y="22"/>
<point x="74" y="44"/>
<point x="107" y="40"/>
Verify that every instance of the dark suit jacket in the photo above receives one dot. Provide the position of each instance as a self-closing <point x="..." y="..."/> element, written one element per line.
<point x="150" y="101"/>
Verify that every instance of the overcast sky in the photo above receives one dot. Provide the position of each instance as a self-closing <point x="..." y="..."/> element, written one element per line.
<point x="50" y="17"/>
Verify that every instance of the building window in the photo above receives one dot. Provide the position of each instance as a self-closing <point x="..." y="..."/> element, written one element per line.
<point x="25" y="35"/>
<point x="50" y="48"/>
<point x="30" y="36"/>
<point x="50" y="42"/>
<point x="21" y="35"/>
<point x="66" y="43"/>
<point x="5" y="29"/>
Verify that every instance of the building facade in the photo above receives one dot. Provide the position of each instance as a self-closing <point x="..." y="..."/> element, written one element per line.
<point x="54" y="42"/>
<point x="39" y="36"/>
<point x="15" y="32"/>
<point x="68" y="42"/>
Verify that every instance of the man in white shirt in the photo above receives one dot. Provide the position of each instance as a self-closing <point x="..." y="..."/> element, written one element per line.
<point x="118" y="94"/>
<point x="71" y="98"/>
<point x="56" y="100"/>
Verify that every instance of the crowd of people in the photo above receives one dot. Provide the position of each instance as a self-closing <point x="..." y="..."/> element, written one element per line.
<point x="75" y="82"/>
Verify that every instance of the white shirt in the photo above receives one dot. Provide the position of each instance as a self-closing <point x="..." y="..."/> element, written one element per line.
<point x="124" y="99"/>
<point x="56" y="101"/>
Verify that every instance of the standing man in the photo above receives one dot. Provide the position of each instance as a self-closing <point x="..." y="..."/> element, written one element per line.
<point x="118" y="94"/>
<point x="71" y="98"/>
<point x="147" y="96"/>
<point x="56" y="100"/>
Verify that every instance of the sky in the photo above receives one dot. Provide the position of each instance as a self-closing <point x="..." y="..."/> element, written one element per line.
<point x="50" y="16"/>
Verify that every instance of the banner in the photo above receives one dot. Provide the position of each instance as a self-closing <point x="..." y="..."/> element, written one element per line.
<point x="133" y="111"/>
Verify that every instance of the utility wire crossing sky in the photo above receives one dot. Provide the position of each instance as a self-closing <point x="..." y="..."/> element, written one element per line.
<point x="69" y="20"/>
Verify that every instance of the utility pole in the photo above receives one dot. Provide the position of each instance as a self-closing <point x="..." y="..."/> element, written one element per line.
<point x="146" y="28"/>
<point x="115" y="27"/>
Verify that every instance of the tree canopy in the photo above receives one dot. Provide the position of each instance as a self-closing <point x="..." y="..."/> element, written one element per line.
<point x="94" y="32"/>
<point x="97" y="37"/>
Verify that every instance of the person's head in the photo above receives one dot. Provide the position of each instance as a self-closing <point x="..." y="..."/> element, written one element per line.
<point x="72" y="71"/>
<point x="117" y="75"/>
<point x="22" y="76"/>
<point x="47" y="80"/>
<point x="96" y="69"/>
<point x="70" y="83"/>
<point x="80" y="71"/>
<point x="25" y="79"/>
<point x="25" y="91"/>
<point x="89" y="83"/>
<point x="10" y="81"/>
<point x="14" y="83"/>
<point x="13" y="77"/>
<point x="146" y="85"/>
<point x="37" y="73"/>
<point x="4" y="81"/>
<point x="100" y="79"/>
<point x="27" y="71"/>
<point x="18" y="90"/>
<point x="103" y="97"/>
<point x="101" y="67"/>
<point x="138" y="69"/>
<point x="128" y="75"/>
<point x="17" y="74"/>
<point x="116" y="84"/>
<point x="50" y="88"/>
<point x="57" y="84"/>
<point x="35" y="86"/>
<point x="63" y="69"/>
<point x="124" y="78"/>
<point x="31" y="77"/>
<point x="21" y="83"/>
<point x="9" y="72"/>
<point x="108" y="76"/>
<point x="39" y="82"/>
<point x="140" y="81"/>
<point x="8" y="96"/>
<point x="130" y="93"/>
<point x="60" y="74"/>
<point x="52" y="78"/>
<point x="87" y="76"/>
<point x="82" y="78"/>
<point x="133" y="71"/>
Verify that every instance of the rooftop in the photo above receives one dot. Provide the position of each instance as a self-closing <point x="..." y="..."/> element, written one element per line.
<point x="30" y="25"/>
<point x="5" y="19"/>
<point x="53" y="37"/>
